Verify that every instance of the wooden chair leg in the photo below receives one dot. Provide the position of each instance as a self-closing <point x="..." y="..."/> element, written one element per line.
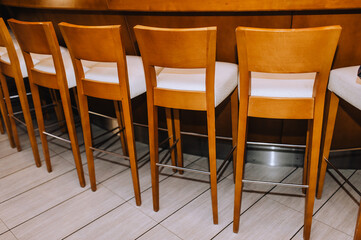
<point x="28" y="119"/>
<point x="68" y="112"/>
<point x="2" y="131"/>
<point x="40" y="121"/>
<point x="178" y="136"/>
<point x="75" y="93"/>
<point x="307" y="155"/>
<point x="118" y="113"/>
<point x="10" y="112"/>
<point x="316" y="131"/>
<point x="128" y="122"/>
<point x="331" y="112"/>
<point x="168" y="113"/>
<point x="234" y="122"/>
<point x="357" y="235"/>
<point x="5" y="115"/>
<point x="241" y="150"/>
<point x="211" y="127"/>
<point x="85" y="123"/>
<point x="153" y="148"/>
<point x="58" y="109"/>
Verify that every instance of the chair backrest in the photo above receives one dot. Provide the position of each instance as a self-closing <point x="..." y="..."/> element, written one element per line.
<point x="40" y="38"/>
<point x="178" y="48"/>
<point x="95" y="43"/>
<point x="287" y="51"/>
<point x="12" y="69"/>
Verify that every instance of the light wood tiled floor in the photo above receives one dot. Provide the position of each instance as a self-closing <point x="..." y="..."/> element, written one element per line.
<point x="35" y="204"/>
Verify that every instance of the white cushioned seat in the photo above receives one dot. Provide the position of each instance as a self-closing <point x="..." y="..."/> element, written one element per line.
<point x="296" y="85"/>
<point x="343" y="83"/>
<point x="36" y="59"/>
<point x="107" y="72"/>
<point x="47" y="65"/>
<point x="194" y="79"/>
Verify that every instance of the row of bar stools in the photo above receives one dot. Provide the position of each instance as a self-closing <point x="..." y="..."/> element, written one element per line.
<point x="188" y="78"/>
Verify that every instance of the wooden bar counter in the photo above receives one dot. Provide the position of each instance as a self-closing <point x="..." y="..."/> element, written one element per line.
<point x="226" y="15"/>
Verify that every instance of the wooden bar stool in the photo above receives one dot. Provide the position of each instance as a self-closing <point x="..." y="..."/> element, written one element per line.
<point x="117" y="77"/>
<point x="191" y="80"/>
<point x="284" y="51"/>
<point x="55" y="73"/>
<point x="11" y="67"/>
<point x="342" y="84"/>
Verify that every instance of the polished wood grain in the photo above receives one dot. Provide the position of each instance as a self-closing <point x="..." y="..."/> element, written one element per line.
<point x="102" y="44"/>
<point x="285" y="51"/>
<point x="186" y="5"/>
<point x="40" y="38"/>
<point x="357" y="235"/>
<point x="179" y="48"/>
<point x="12" y="70"/>
<point x="329" y="125"/>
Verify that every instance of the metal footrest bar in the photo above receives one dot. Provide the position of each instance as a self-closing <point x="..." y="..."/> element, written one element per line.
<point x="18" y="120"/>
<point x="107" y="139"/>
<point x="17" y="96"/>
<point x="54" y="136"/>
<point x="101" y="115"/>
<point x="276" y="183"/>
<point x="33" y="109"/>
<point x="105" y="133"/>
<point x="345" y="150"/>
<point x="225" y="163"/>
<point x="111" y="153"/>
<point x="230" y="139"/>
<point x="184" y="169"/>
<point x="276" y="145"/>
<point x="342" y="176"/>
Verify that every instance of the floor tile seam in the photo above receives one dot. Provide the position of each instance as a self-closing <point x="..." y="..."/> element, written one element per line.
<point x="208" y="188"/>
<point x="132" y="198"/>
<point x="199" y="195"/>
<point x="339" y="230"/>
<point x="27" y="190"/>
<point x="279" y="202"/>
<point x="170" y="231"/>
<point x="341" y="186"/>
<point x="264" y="195"/>
<point x="294" y="235"/>
<point x="94" y="220"/>
<point x="9" y="231"/>
<point x="148" y="230"/>
<point x="18" y="170"/>
<point x="52" y="207"/>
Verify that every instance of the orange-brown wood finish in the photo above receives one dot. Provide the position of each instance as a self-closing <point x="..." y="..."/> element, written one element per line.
<point x="329" y="125"/>
<point x="186" y="5"/>
<point x="285" y="51"/>
<point x="13" y="70"/>
<point x="102" y="44"/>
<point x="40" y="38"/>
<point x="179" y="48"/>
<point x="357" y="235"/>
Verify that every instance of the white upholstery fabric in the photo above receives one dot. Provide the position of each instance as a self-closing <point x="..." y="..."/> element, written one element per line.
<point x="194" y="80"/>
<point x="343" y="83"/>
<point x="298" y="85"/>
<point x="47" y="65"/>
<point x="107" y="72"/>
<point x="36" y="59"/>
